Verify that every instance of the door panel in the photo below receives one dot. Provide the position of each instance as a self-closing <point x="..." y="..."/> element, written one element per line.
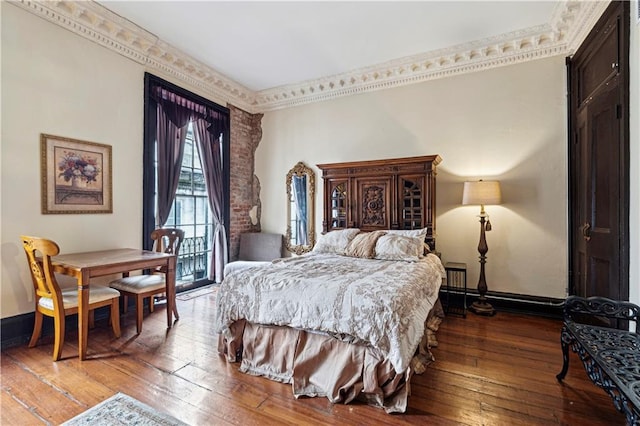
<point x="598" y="180"/>
<point x="600" y="271"/>
<point x="597" y="233"/>
<point x="599" y="67"/>
<point x="604" y="213"/>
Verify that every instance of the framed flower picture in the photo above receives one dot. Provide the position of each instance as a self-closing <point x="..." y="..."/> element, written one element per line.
<point x="76" y="176"/>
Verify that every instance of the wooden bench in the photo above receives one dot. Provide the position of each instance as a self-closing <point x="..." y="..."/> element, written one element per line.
<point x="610" y="356"/>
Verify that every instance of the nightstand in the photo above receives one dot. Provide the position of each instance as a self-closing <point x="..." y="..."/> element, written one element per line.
<point x="455" y="297"/>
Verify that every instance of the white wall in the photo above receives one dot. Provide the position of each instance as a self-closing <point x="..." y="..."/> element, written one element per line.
<point x="57" y="83"/>
<point x="507" y="124"/>
<point x="634" y="161"/>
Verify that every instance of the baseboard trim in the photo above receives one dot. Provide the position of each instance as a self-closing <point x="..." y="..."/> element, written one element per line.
<point x="511" y="302"/>
<point x="17" y="330"/>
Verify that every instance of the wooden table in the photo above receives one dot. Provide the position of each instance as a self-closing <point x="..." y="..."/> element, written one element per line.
<point x="84" y="266"/>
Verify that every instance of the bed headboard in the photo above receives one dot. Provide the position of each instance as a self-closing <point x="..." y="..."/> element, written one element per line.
<point x="398" y="193"/>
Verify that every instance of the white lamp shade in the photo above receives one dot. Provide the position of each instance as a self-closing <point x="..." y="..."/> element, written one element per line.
<point x="483" y="192"/>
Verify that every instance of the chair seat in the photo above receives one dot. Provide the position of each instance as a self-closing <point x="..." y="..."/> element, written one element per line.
<point x="139" y="283"/>
<point x="97" y="294"/>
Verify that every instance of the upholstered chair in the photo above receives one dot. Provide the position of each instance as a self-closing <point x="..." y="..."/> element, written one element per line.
<point x="140" y="287"/>
<point x="256" y="248"/>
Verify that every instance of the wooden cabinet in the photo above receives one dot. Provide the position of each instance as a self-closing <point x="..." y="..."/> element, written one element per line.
<point x="396" y="193"/>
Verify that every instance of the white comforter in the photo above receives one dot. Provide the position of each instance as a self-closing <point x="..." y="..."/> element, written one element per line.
<point x="383" y="303"/>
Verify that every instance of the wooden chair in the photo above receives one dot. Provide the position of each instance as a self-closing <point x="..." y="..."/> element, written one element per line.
<point x="55" y="302"/>
<point x="167" y="240"/>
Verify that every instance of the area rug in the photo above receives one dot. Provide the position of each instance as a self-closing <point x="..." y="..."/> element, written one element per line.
<point x="202" y="291"/>
<point x="122" y="409"/>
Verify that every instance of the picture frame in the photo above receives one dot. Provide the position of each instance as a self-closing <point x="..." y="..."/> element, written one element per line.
<point x="76" y="176"/>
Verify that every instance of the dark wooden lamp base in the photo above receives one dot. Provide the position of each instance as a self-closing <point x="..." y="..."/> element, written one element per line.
<point x="482" y="307"/>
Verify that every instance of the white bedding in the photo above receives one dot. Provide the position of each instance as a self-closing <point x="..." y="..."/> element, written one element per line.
<point x="383" y="303"/>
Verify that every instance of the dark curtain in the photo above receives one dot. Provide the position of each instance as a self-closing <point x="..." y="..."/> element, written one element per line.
<point x="174" y="115"/>
<point x="209" y="142"/>
<point x="170" y="151"/>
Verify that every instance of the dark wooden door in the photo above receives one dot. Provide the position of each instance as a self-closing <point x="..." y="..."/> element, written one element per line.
<point x="597" y="228"/>
<point x="599" y="165"/>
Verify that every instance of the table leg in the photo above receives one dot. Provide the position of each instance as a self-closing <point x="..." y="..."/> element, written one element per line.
<point x="170" y="280"/>
<point x="83" y="315"/>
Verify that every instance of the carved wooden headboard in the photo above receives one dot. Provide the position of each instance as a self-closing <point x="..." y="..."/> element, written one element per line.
<point x="397" y="193"/>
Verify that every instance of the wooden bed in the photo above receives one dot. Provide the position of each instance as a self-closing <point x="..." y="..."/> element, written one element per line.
<point x="355" y="318"/>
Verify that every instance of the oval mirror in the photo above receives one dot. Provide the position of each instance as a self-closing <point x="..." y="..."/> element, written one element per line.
<point x="301" y="188"/>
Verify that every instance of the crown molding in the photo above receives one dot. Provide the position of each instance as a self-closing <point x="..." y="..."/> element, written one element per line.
<point x="512" y="48"/>
<point x="571" y="21"/>
<point x="94" y="22"/>
<point x="582" y="17"/>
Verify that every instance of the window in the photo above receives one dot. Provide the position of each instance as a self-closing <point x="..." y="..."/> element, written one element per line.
<point x="168" y="108"/>
<point x="191" y="213"/>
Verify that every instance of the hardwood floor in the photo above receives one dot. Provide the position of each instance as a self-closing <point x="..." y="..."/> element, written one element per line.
<point x="488" y="371"/>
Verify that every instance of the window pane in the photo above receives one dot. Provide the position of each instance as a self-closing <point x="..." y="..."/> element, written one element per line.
<point x="199" y="187"/>
<point x="202" y="210"/>
<point x="205" y="231"/>
<point x="171" y="221"/>
<point x="190" y="212"/>
<point x="187" y="159"/>
<point x="184" y="184"/>
<point x="196" y="157"/>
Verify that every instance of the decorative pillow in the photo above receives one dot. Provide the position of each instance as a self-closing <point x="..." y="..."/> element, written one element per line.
<point x="335" y="241"/>
<point x="426" y="249"/>
<point x="399" y="247"/>
<point x="418" y="233"/>
<point x="364" y="245"/>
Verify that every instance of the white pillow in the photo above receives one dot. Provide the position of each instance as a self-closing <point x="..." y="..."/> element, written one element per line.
<point x="418" y="233"/>
<point x="399" y="247"/>
<point x="335" y="241"/>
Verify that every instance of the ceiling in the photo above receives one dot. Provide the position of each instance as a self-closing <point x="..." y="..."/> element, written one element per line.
<point x="264" y="55"/>
<point x="265" y="44"/>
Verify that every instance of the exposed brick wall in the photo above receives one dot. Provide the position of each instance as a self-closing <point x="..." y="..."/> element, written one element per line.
<point x="246" y="133"/>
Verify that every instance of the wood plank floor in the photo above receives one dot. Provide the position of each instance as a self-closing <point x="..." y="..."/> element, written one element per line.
<point x="488" y="371"/>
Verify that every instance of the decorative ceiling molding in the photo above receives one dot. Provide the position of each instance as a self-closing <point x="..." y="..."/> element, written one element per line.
<point x="98" y="24"/>
<point x="569" y="25"/>
<point x="512" y="48"/>
<point x="577" y="18"/>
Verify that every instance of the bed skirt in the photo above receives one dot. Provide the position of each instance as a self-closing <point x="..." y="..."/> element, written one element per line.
<point x="317" y="364"/>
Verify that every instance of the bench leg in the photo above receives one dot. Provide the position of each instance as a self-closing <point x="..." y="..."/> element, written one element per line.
<point x="565" y="338"/>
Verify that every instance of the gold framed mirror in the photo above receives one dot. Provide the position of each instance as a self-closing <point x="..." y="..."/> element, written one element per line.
<point x="301" y="191"/>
